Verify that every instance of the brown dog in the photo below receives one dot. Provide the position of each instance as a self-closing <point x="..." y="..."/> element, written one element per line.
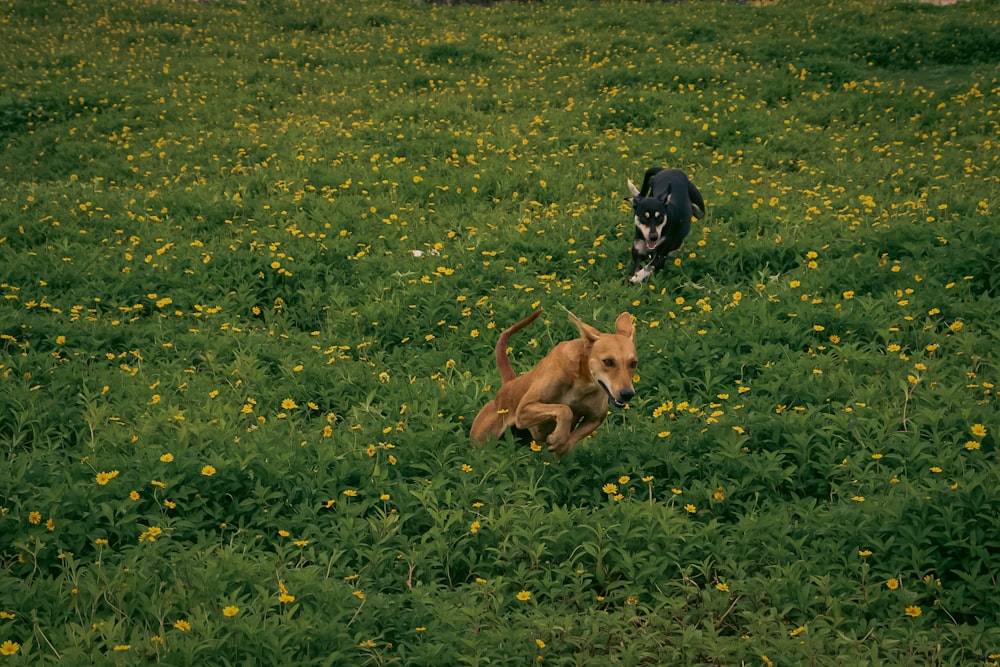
<point x="565" y="397"/>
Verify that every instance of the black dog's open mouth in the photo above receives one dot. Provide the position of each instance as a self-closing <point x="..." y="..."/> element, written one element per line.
<point x="611" y="397"/>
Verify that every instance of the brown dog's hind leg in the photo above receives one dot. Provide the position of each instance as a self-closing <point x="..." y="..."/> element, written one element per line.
<point x="488" y="424"/>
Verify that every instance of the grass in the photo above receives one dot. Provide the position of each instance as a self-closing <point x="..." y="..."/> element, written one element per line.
<point x="256" y="256"/>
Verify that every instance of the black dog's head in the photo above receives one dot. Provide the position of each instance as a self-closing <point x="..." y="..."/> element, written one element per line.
<point x="650" y="218"/>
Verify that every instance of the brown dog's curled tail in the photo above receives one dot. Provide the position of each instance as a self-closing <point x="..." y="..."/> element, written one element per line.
<point x="503" y="363"/>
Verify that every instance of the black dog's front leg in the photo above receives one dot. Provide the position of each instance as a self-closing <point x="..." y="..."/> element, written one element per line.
<point x="638" y="261"/>
<point x="642" y="267"/>
<point x="659" y="260"/>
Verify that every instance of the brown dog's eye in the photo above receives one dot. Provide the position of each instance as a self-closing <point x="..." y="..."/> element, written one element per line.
<point x="609" y="363"/>
<point x="633" y="364"/>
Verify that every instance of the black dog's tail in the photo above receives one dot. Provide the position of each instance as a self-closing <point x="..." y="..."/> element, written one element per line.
<point x="503" y="363"/>
<point x="646" y="178"/>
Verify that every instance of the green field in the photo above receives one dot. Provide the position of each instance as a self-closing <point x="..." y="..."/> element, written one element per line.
<point x="254" y="259"/>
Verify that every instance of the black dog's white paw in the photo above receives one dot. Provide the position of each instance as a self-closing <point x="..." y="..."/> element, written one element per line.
<point x="641" y="275"/>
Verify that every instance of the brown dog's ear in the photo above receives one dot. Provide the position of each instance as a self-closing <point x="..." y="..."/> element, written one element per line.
<point x="587" y="332"/>
<point x="624" y="326"/>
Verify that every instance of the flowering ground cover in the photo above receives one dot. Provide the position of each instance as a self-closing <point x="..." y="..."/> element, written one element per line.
<point x="255" y="257"/>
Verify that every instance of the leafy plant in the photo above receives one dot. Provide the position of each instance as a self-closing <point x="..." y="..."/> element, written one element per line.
<point x="257" y="255"/>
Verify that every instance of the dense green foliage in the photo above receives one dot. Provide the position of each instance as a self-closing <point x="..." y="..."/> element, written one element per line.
<point x="255" y="257"/>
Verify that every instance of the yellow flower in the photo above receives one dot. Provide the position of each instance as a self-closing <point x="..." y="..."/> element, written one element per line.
<point x="524" y="596"/>
<point x="610" y="488"/>
<point x="9" y="648"/>
<point x="474" y="528"/>
<point x="892" y="584"/>
<point x="864" y="553"/>
<point x="151" y="534"/>
<point x="913" y="611"/>
<point x="183" y="626"/>
<point x="167" y="458"/>
<point x="979" y="430"/>
<point x="230" y="611"/>
<point x="105" y="477"/>
<point x="722" y="587"/>
<point x="123" y="647"/>
<point x="797" y="631"/>
<point x="691" y="508"/>
<point x="289" y="404"/>
<point x="539" y="643"/>
<point x="350" y="493"/>
<point x="35" y="517"/>
<point x="208" y="471"/>
<point x="972" y="445"/>
<point x="624" y="479"/>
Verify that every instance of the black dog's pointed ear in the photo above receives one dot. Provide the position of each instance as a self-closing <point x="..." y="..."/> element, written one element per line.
<point x="630" y="200"/>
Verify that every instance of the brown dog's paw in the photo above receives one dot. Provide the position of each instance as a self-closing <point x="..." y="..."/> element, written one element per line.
<point x="554" y="440"/>
<point x="558" y="445"/>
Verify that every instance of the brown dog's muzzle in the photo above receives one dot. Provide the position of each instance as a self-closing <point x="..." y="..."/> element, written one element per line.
<point x="621" y="399"/>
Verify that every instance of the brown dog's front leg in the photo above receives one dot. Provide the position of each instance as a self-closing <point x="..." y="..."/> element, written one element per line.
<point x="579" y="433"/>
<point x="533" y="415"/>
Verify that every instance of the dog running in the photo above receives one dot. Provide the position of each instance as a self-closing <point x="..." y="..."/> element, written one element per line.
<point x="663" y="208"/>
<point x="565" y="397"/>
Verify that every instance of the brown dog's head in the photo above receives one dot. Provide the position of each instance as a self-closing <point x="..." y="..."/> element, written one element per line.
<point x="611" y="357"/>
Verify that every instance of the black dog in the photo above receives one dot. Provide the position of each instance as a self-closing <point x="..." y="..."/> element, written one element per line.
<point x="663" y="210"/>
